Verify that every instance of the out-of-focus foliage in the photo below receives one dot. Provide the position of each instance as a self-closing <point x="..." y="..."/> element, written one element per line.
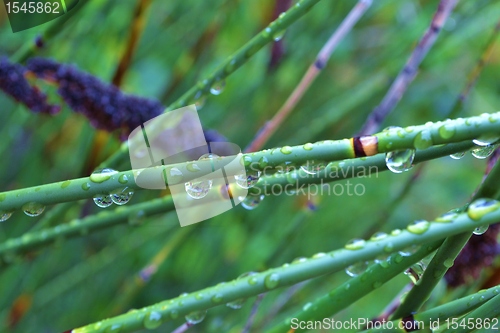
<point x="76" y="282"/>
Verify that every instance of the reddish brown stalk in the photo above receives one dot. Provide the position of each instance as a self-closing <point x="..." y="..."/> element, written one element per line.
<point x="136" y="29"/>
<point x="324" y="55"/>
<point x="476" y="71"/>
<point x="409" y="71"/>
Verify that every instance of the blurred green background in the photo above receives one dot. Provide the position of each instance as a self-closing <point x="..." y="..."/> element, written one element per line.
<point x="83" y="280"/>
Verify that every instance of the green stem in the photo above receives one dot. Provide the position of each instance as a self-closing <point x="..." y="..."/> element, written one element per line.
<point x="291" y="274"/>
<point x="446" y="254"/>
<point x="355" y="288"/>
<point x="450" y="310"/>
<point x="83" y="188"/>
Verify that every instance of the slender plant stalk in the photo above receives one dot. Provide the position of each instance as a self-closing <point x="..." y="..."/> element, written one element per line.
<point x="81" y="227"/>
<point x="349" y="292"/>
<point x="423" y="136"/>
<point x="294" y="273"/>
<point x="136" y="29"/>
<point x="446" y="254"/>
<point x="450" y="310"/>
<point x="312" y="72"/>
<point x="409" y="71"/>
<point x="476" y="71"/>
<point x="253" y="313"/>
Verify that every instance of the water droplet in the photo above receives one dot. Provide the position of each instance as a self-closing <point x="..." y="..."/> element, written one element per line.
<point x="192" y="167"/>
<point x="263" y="162"/>
<point x="355" y="244"/>
<point x="448" y="262"/>
<point x="196" y="317"/>
<point x="319" y="255"/>
<point x="400" y="160"/>
<point x="447" y="131"/>
<point x="121" y="196"/>
<point x="457" y="156"/>
<point x="115" y="328"/>
<point x="418" y="227"/>
<point x="423" y="140"/>
<point x="199" y="102"/>
<point x="217" y="87"/>
<point x="123" y="179"/>
<point x="4" y="216"/>
<point x="277" y="36"/>
<point x="287" y="150"/>
<point x="246" y="160"/>
<point x="307" y="306"/>
<point x="395" y="232"/>
<point x="247" y="180"/>
<point x="483" y="152"/>
<point x="103" y="200"/>
<point x="299" y="260"/>
<point x="86" y="186"/>
<point x="65" y="183"/>
<point x="357" y="268"/>
<point x="33" y="209"/>
<point x="285" y="167"/>
<point x="409" y="250"/>
<point x="480" y="230"/>
<point x="378" y="236"/>
<point x="152" y="320"/>
<point x="217" y="298"/>
<point x="485" y="140"/>
<point x="101" y="175"/>
<point x="415" y="272"/>
<point x="237" y="304"/>
<point x="272" y="280"/>
<point x="198" y="189"/>
<point x="481" y="207"/>
<point x="447" y="217"/>
<point x="384" y="263"/>
<point x="313" y="167"/>
<point x="308" y="146"/>
<point x="252" y="201"/>
<point x="389" y="248"/>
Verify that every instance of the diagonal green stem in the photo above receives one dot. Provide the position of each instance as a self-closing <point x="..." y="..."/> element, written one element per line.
<point x="291" y="274"/>
<point x="409" y="138"/>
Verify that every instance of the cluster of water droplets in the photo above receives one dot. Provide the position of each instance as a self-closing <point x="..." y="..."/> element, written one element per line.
<point x="198" y="189"/>
<point x="119" y="196"/>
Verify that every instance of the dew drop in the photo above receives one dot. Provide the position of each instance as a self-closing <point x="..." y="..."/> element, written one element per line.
<point x="357" y="268"/>
<point x="237" y="304"/>
<point x="252" y="201"/>
<point x="196" y="317"/>
<point x="277" y="36"/>
<point x="4" y="216"/>
<point x="483" y="152"/>
<point x="285" y="167"/>
<point x="192" y="167"/>
<point x="287" y="150"/>
<point x="263" y="162"/>
<point x="481" y="207"/>
<point x="217" y="298"/>
<point x="247" y="180"/>
<point x="123" y="179"/>
<point x="485" y="140"/>
<point x="271" y="281"/>
<point x="400" y="160"/>
<point x="174" y="175"/>
<point x="33" y="209"/>
<point x="355" y="244"/>
<point x="307" y="306"/>
<point x="299" y="260"/>
<point x="415" y="272"/>
<point x="480" y="230"/>
<point x="199" y="102"/>
<point x="378" y="236"/>
<point x="389" y="248"/>
<point x="447" y="131"/>
<point x="457" y="156"/>
<point x="409" y="250"/>
<point x="418" y="227"/>
<point x="313" y="167"/>
<point x="65" y="183"/>
<point x="423" y="140"/>
<point x="115" y="328"/>
<point x="152" y="320"/>
<point x="308" y="146"/>
<point x="448" y="262"/>
<point x="447" y="217"/>
<point x="198" y="189"/>
<point x="101" y="175"/>
<point x="218" y="87"/>
<point x="319" y="255"/>
<point x="121" y="196"/>
<point x="103" y="200"/>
